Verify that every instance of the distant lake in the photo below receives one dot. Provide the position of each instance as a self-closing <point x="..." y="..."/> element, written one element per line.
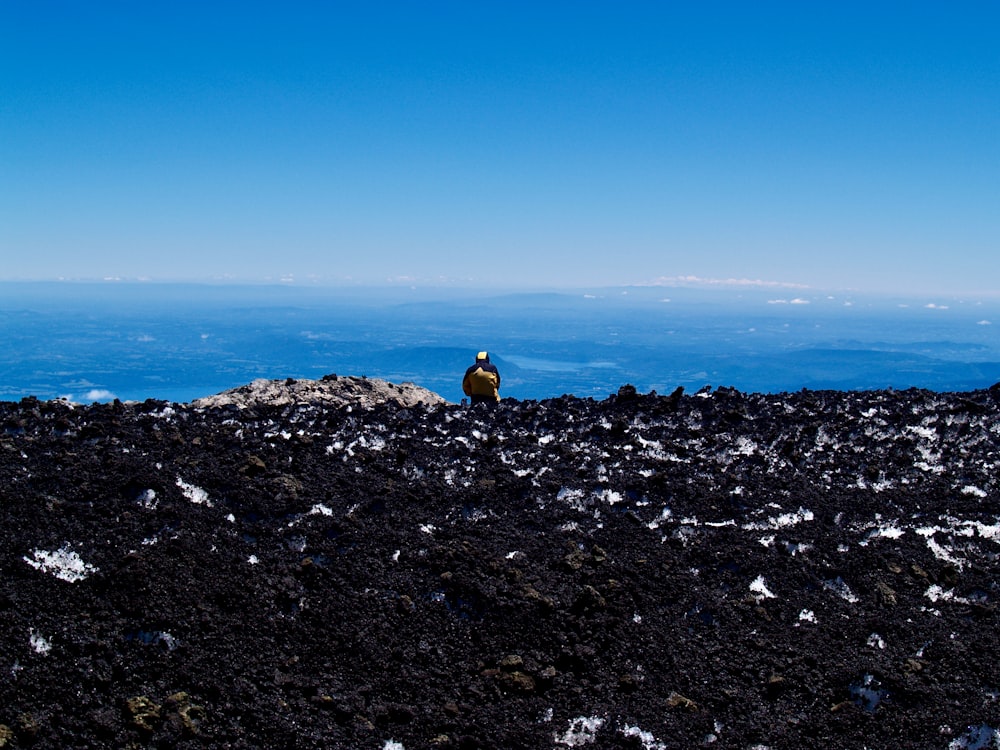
<point x="178" y="342"/>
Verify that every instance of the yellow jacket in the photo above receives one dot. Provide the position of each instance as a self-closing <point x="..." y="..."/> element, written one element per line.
<point x="482" y="379"/>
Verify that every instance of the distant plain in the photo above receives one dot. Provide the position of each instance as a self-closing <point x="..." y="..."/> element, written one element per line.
<point x="133" y="341"/>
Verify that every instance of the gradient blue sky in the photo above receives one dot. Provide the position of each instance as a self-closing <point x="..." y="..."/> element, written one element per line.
<point x="838" y="145"/>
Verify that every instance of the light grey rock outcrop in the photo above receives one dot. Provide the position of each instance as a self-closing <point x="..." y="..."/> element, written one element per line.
<point x="331" y="389"/>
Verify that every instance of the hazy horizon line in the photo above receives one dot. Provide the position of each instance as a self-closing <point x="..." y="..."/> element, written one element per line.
<point x="686" y="282"/>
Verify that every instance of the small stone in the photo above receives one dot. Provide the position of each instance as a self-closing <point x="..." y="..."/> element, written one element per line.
<point x="517" y="682"/>
<point x="253" y="466"/>
<point x="676" y="700"/>
<point x="511" y="663"/>
<point x="885" y="594"/>
<point x="776" y="684"/>
<point x="627" y="683"/>
<point x="145" y="713"/>
<point x="590" y="598"/>
<point x="185" y="713"/>
<point x="912" y="666"/>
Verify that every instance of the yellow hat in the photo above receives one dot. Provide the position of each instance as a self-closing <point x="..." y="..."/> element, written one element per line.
<point x="482" y="355"/>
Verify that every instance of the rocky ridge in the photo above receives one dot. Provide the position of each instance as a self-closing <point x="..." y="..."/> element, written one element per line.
<point x="330" y="390"/>
<point x="720" y="569"/>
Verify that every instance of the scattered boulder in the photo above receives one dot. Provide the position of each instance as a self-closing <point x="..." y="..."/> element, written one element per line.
<point x="331" y="389"/>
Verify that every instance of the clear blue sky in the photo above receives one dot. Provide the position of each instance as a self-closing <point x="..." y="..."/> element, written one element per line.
<point x="830" y="144"/>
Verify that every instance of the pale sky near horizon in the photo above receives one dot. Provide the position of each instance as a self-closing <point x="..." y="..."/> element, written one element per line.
<point x="837" y="145"/>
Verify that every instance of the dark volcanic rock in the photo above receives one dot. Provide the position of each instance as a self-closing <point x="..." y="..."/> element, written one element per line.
<point x="730" y="570"/>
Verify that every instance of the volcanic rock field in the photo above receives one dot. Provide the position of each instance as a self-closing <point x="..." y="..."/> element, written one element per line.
<point x="349" y="563"/>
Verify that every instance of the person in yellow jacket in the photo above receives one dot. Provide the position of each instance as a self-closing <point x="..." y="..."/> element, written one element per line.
<point x="482" y="381"/>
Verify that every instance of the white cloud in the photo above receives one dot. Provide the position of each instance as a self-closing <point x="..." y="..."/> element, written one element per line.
<point x="99" y="394"/>
<point x="932" y="306"/>
<point x="984" y="323"/>
<point x="699" y="281"/>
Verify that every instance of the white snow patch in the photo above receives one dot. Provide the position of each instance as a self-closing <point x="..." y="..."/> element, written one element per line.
<point x="781" y="521"/>
<point x="253" y="559"/>
<point x="39" y="644"/>
<point x="196" y="495"/>
<point x="759" y="587"/>
<point x="665" y="515"/>
<point x="973" y="490"/>
<point x="939" y="551"/>
<point x="937" y="594"/>
<point x="981" y="737"/>
<point x="807" y="615"/>
<point x="393" y="745"/>
<point x="933" y="468"/>
<point x="428" y="528"/>
<point x="147" y="499"/>
<point x="988" y="532"/>
<point x="892" y="531"/>
<point x="649" y="742"/>
<point x="582" y="731"/>
<point x="925" y="432"/>
<point x="841" y="589"/>
<point x="876" y="641"/>
<point x="320" y="509"/>
<point x="611" y="497"/>
<point x="720" y="524"/>
<point x="64" y="564"/>
<point x="572" y="497"/>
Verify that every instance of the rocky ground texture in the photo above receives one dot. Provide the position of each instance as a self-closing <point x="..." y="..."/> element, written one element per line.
<point x="388" y="571"/>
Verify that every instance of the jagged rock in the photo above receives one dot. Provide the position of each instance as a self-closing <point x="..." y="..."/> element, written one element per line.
<point x="181" y="711"/>
<point x="331" y="389"/>
<point x="676" y="700"/>
<point x="144" y="712"/>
